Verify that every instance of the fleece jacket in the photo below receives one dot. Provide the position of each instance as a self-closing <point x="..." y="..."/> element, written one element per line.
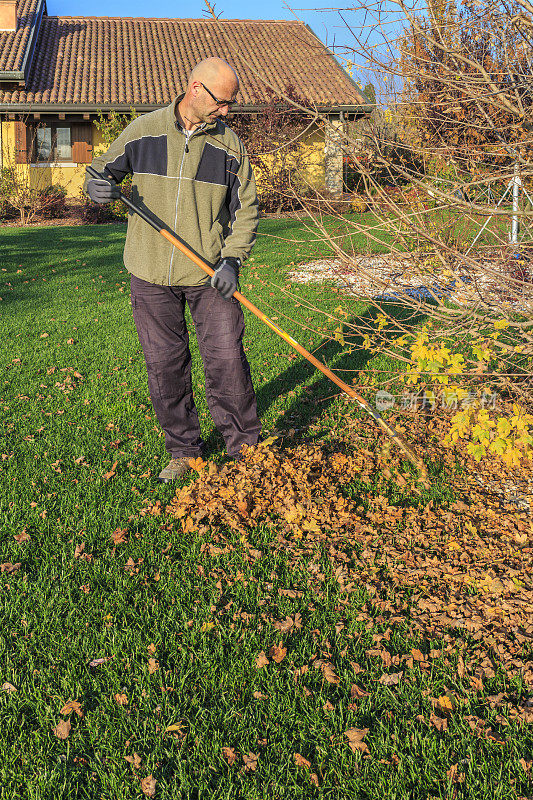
<point x="201" y="187"/>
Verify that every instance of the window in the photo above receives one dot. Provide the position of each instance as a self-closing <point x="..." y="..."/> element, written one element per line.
<point x="53" y="142"/>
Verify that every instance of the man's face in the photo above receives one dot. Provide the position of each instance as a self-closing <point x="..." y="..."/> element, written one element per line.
<point x="206" y="106"/>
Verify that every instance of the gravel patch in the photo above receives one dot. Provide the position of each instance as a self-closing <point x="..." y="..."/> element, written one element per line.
<point x="387" y="277"/>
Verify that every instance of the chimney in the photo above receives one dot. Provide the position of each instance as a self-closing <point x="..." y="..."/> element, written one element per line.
<point x="8" y="15"/>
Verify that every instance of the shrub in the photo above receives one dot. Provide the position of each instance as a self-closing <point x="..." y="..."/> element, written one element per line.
<point x="358" y="204"/>
<point x="272" y="139"/>
<point x="52" y="202"/>
<point x="7" y="211"/>
<point x="94" y="213"/>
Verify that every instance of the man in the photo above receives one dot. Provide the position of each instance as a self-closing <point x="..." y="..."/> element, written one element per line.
<point x="191" y="171"/>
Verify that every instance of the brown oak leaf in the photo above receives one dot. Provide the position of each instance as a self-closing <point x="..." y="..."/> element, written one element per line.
<point x="277" y="653"/>
<point x="261" y="660"/>
<point x="453" y="774"/>
<point x="119" y="536"/>
<point x="79" y="550"/>
<point x="355" y="739"/>
<point x="230" y="755"/>
<point x="9" y="567"/>
<point x="134" y="760"/>
<point x="250" y="762"/>
<point x="106" y="476"/>
<point x="62" y="729"/>
<point x="70" y="706"/>
<point x="438" y="723"/>
<point x="148" y="786"/>
<point x="300" y="761"/>
<point x="329" y="673"/>
<point x="392" y="679"/>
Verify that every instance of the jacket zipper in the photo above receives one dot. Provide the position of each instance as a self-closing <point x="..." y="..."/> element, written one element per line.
<point x="185" y="150"/>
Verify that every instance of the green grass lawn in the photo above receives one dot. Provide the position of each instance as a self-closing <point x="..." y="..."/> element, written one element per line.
<point x="73" y="401"/>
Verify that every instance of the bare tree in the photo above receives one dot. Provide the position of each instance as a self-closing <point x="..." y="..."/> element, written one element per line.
<point x="444" y="170"/>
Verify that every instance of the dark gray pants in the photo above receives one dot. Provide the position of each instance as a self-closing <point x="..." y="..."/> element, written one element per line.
<point x="158" y="312"/>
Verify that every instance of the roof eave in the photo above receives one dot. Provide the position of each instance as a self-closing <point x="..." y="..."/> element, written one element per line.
<point x="78" y="108"/>
<point x="11" y="75"/>
<point x="29" y="51"/>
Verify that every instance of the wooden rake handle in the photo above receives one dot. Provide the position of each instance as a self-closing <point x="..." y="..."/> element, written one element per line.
<point x="174" y="240"/>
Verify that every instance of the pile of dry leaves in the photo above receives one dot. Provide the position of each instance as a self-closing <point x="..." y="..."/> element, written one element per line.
<point x="466" y="567"/>
<point x="296" y="489"/>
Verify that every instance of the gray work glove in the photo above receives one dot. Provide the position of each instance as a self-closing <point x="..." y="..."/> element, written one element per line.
<point x="102" y="191"/>
<point x="226" y="277"/>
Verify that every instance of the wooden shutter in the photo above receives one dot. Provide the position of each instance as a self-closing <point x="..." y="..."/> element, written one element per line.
<point x="82" y="142"/>
<point x="22" y="140"/>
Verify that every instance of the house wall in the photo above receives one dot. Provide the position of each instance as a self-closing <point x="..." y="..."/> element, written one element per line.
<point x="312" y="150"/>
<point x="308" y="163"/>
<point x="71" y="177"/>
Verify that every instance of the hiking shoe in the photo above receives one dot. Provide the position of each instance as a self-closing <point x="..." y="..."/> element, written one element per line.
<point x="176" y="468"/>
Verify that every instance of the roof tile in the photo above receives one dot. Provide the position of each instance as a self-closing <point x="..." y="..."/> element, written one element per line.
<point x="109" y="61"/>
<point x="13" y="44"/>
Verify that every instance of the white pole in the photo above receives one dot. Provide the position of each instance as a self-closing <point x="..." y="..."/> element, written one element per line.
<point x="516" y="194"/>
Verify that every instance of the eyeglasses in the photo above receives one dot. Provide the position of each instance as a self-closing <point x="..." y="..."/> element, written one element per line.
<point x="220" y="103"/>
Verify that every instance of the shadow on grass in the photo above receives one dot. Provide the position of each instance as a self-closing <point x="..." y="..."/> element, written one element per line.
<point x="320" y="395"/>
<point x="74" y="253"/>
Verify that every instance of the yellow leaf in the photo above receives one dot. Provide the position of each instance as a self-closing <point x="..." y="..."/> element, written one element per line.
<point x="443" y="704"/>
<point x="71" y="706"/>
<point x="206" y="627"/>
<point x="269" y="441"/>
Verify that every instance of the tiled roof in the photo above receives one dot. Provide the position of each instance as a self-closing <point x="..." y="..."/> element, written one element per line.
<point x="110" y="62"/>
<point x="15" y="45"/>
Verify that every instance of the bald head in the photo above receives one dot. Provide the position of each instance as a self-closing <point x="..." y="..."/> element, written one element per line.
<point x="213" y="85"/>
<point x="214" y="70"/>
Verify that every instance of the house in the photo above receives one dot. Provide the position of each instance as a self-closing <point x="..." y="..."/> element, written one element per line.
<point x="57" y="73"/>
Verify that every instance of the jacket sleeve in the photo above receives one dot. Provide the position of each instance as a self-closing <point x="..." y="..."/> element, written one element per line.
<point x="115" y="162"/>
<point x="243" y="211"/>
